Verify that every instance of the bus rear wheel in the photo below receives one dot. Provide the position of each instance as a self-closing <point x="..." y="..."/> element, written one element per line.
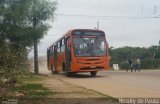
<point x="93" y="73"/>
<point x="53" y="70"/>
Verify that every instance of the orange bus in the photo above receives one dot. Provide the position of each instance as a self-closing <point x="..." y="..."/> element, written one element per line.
<point x="79" y="50"/>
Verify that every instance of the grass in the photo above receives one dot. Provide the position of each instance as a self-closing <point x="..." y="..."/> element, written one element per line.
<point x="29" y="86"/>
<point x="32" y="90"/>
<point x="30" y="78"/>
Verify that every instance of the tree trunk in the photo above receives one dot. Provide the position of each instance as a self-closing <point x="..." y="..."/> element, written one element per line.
<point x="36" y="68"/>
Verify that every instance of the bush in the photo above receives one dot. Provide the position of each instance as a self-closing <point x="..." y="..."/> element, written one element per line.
<point x="150" y="64"/>
<point x="124" y="66"/>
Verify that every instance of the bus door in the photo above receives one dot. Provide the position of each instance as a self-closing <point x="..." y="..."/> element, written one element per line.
<point x="55" y="57"/>
<point x="68" y="54"/>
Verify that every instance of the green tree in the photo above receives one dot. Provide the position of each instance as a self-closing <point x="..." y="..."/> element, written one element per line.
<point x="150" y="57"/>
<point x="40" y="11"/>
<point x="21" y="22"/>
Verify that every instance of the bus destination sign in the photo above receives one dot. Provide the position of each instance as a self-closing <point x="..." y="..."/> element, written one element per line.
<point x="88" y="33"/>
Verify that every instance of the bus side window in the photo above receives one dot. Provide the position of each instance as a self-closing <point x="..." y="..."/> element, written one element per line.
<point x="52" y="50"/>
<point x="62" y="45"/>
<point x="55" y="48"/>
<point x="55" y="55"/>
<point x="47" y="52"/>
<point x="58" y="49"/>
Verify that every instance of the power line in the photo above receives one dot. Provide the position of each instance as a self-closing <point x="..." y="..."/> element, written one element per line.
<point x="111" y="5"/>
<point x="104" y="16"/>
<point x="55" y="35"/>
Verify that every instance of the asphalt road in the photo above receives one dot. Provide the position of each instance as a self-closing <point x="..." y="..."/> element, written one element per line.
<point x="118" y="84"/>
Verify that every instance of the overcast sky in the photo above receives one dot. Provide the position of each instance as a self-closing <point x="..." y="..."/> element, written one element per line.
<point x="125" y="22"/>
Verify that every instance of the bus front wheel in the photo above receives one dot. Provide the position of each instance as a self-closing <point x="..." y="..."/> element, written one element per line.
<point x="52" y="69"/>
<point x="68" y="74"/>
<point x="93" y="73"/>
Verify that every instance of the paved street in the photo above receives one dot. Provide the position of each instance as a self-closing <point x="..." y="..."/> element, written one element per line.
<point x="119" y="83"/>
<point x="115" y="83"/>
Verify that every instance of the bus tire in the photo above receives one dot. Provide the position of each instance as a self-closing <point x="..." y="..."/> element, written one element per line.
<point x="63" y="67"/>
<point x="68" y="74"/>
<point x="93" y="73"/>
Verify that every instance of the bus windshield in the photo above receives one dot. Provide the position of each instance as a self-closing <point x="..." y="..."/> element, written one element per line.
<point x="90" y="46"/>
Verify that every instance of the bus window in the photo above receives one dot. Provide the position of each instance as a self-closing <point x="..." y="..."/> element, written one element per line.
<point x="62" y="42"/>
<point x="52" y="48"/>
<point x="90" y="46"/>
<point x="58" y="49"/>
<point x="68" y="53"/>
<point x="62" y="45"/>
<point x="55" y="55"/>
<point x="50" y="51"/>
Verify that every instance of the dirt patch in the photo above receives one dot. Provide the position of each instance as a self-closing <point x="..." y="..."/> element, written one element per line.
<point x="63" y="89"/>
<point x="61" y="93"/>
<point x="66" y="93"/>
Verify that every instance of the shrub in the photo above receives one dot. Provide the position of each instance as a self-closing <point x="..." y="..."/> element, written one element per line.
<point x="150" y="63"/>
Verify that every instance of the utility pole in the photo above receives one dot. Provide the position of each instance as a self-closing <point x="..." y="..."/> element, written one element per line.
<point x="159" y="45"/>
<point x="142" y="9"/>
<point x="97" y="25"/>
<point x="36" y="67"/>
<point x="155" y="9"/>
